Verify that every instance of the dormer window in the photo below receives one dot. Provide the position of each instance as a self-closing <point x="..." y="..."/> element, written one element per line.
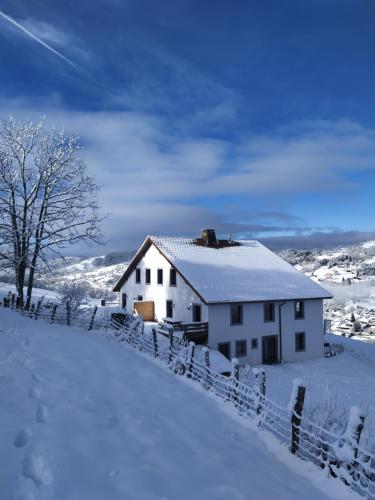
<point x="138" y="275"/>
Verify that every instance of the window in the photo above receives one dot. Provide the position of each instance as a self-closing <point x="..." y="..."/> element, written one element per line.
<point x="123" y="300"/>
<point x="236" y="314"/>
<point x="269" y="311"/>
<point x="140" y="298"/>
<point x="197" y="313"/>
<point x="299" y="309"/>
<point x="300" y="342"/>
<point x="147" y="276"/>
<point x="137" y="275"/>
<point x="172" y="277"/>
<point x="169" y="309"/>
<point x="160" y="276"/>
<point x="241" y="348"/>
<point x="254" y="343"/>
<point x="224" y="348"/>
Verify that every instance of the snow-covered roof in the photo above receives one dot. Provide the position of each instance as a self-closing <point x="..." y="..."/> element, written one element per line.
<point x="245" y="272"/>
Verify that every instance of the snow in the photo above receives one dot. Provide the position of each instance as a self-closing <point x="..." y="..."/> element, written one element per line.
<point x="347" y="379"/>
<point x="369" y="244"/>
<point x="248" y="272"/>
<point x="116" y="425"/>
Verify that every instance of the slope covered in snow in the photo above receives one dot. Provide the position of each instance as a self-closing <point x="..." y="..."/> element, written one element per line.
<point x="89" y="419"/>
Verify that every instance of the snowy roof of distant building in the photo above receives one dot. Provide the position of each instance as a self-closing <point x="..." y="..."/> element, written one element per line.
<point x="243" y="271"/>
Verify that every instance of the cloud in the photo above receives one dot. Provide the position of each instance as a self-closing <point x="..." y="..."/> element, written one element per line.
<point x="44" y="31"/>
<point x="156" y="180"/>
<point x="319" y="239"/>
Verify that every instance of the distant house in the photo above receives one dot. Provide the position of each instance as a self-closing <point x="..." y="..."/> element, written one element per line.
<point x="257" y="307"/>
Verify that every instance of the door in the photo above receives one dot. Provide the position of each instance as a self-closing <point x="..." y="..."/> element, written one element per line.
<point x="145" y="308"/>
<point x="197" y="316"/>
<point x="269" y="349"/>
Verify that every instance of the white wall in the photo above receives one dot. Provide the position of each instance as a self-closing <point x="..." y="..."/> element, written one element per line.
<point x="182" y="295"/>
<point x="253" y="326"/>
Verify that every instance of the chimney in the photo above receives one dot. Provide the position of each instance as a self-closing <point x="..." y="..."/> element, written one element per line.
<point x="208" y="236"/>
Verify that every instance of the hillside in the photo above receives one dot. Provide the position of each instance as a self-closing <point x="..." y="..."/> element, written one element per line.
<point x="75" y="428"/>
<point x="349" y="274"/>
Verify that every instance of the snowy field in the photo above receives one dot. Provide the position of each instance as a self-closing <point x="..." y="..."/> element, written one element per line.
<point x="86" y="418"/>
<point x="347" y="378"/>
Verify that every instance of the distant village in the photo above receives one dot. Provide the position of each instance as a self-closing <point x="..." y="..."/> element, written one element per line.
<point x="349" y="273"/>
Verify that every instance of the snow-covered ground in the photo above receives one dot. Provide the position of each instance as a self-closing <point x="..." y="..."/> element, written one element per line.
<point x="347" y="378"/>
<point x="84" y="417"/>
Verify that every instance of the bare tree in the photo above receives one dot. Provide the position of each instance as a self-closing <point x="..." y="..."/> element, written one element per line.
<point x="75" y="292"/>
<point x="47" y="201"/>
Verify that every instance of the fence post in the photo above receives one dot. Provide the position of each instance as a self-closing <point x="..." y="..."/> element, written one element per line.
<point x="235" y="377"/>
<point x="260" y="377"/>
<point x="170" y="357"/>
<point x="296" y="407"/>
<point x="347" y="446"/>
<point x="37" y="310"/>
<point x="155" y="342"/>
<point x="91" y="324"/>
<point x="67" y="313"/>
<point x="206" y="352"/>
<point x="31" y="311"/>
<point x="189" y="361"/>
<point x="53" y="313"/>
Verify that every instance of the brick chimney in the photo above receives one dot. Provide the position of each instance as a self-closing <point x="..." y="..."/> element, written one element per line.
<point x="208" y="236"/>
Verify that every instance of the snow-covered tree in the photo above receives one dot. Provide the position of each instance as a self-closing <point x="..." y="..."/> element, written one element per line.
<point x="356" y="326"/>
<point x="74" y="292"/>
<point x="47" y="201"/>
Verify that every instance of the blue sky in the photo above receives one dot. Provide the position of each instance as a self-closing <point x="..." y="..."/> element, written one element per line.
<point x="252" y="117"/>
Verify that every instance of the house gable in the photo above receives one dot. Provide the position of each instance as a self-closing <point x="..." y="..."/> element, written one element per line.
<point x="139" y="256"/>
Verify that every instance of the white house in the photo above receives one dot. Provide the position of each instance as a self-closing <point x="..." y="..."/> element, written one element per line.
<point x="258" y="307"/>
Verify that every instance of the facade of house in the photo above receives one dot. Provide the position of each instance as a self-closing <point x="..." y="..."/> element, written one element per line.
<point x="259" y="308"/>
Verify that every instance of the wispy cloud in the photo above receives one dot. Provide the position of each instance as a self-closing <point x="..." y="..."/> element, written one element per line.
<point x="36" y="38"/>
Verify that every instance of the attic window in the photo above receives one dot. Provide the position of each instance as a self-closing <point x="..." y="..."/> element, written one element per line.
<point x="148" y="276"/>
<point x="160" y="276"/>
<point x="172" y="277"/>
<point x="138" y="275"/>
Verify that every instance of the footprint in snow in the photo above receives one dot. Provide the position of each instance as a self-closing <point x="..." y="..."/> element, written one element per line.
<point x="37" y="377"/>
<point x="22" y="438"/>
<point x="35" y="393"/>
<point x="41" y="415"/>
<point x="35" y="467"/>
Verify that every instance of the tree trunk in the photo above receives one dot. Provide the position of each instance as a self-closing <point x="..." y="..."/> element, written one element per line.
<point x="20" y="282"/>
<point x="30" y="285"/>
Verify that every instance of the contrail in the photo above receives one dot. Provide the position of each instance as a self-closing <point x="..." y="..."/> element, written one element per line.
<point x="19" y="26"/>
